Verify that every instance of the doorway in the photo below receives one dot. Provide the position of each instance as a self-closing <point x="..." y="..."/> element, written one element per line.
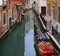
<point x="43" y="10"/>
<point x="10" y="22"/>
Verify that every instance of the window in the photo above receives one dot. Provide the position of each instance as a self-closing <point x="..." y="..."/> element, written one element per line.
<point x="27" y="1"/>
<point x="53" y="11"/>
<point x="49" y="10"/>
<point x="4" y="18"/>
<point x="0" y="16"/>
<point x="14" y="13"/>
<point x="54" y="1"/>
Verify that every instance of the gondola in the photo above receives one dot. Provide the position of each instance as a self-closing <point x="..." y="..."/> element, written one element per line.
<point x="43" y="46"/>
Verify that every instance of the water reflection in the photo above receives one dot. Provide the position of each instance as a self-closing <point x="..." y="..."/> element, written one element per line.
<point x="29" y="29"/>
<point x="29" y="21"/>
<point x="29" y="44"/>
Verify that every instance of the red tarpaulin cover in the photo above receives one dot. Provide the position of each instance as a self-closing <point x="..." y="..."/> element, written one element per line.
<point x="46" y="48"/>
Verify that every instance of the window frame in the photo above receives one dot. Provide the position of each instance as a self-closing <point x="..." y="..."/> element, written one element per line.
<point x="3" y="19"/>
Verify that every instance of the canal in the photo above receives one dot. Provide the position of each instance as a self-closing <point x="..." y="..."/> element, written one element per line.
<point x="20" y="40"/>
<point x="13" y="44"/>
<point x="29" y="29"/>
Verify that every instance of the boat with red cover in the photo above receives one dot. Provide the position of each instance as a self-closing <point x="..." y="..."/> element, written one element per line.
<point x="43" y="44"/>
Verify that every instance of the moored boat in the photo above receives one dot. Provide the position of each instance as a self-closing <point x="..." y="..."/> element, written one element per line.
<point x="43" y="45"/>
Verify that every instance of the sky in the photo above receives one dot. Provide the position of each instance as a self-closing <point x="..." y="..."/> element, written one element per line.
<point x="0" y="2"/>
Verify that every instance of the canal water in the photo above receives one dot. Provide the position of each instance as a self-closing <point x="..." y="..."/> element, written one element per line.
<point x="13" y="45"/>
<point x="19" y="42"/>
<point x="29" y="43"/>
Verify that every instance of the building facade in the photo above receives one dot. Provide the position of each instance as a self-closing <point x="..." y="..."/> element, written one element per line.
<point x="0" y="15"/>
<point x="1" y="30"/>
<point x="4" y="20"/>
<point x="53" y="10"/>
<point x="29" y="3"/>
<point x="10" y="13"/>
<point x="42" y="4"/>
<point x="14" y="8"/>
